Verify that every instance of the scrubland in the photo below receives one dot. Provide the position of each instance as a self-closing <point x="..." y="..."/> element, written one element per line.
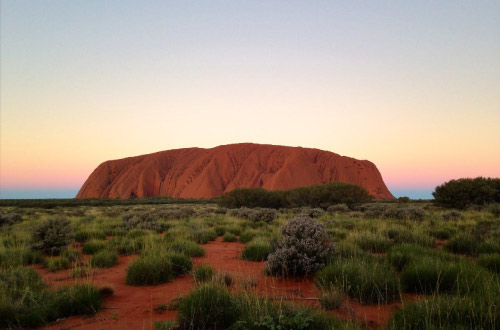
<point x="417" y="265"/>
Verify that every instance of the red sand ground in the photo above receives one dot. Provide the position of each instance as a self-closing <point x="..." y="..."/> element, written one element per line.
<point x="134" y="307"/>
<point x="199" y="173"/>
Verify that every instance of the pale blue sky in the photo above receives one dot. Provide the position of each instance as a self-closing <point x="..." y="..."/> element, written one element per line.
<point x="413" y="86"/>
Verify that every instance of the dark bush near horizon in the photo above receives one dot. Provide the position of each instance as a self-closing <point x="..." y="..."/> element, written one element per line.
<point x="319" y="195"/>
<point x="463" y="193"/>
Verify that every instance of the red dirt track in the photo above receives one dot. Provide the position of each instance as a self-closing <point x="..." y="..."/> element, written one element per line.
<point x="134" y="307"/>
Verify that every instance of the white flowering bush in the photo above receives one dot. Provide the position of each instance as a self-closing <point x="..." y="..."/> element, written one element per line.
<point x="304" y="249"/>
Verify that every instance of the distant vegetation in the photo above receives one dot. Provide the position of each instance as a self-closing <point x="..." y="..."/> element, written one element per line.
<point x="319" y="195"/>
<point x="464" y="193"/>
<point x="70" y="202"/>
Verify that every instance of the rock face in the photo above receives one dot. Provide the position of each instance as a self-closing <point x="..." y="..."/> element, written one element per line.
<point x="198" y="173"/>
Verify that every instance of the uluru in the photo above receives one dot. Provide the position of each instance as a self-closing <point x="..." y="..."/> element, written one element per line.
<point x="207" y="173"/>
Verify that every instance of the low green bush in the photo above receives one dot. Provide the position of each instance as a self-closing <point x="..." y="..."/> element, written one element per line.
<point x="203" y="273"/>
<point x="19" y="256"/>
<point x="228" y="237"/>
<point x="203" y="236"/>
<point x="331" y="299"/>
<point x="104" y="259"/>
<point x="72" y="254"/>
<point x="463" y="243"/>
<point x="188" y="247"/>
<point x="375" y="243"/>
<point x="433" y="275"/>
<point x="208" y="307"/>
<point x="490" y="262"/>
<point x="257" y="250"/>
<point x="448" y="312"/>
<point x="150" y="269"/>
<point x="52" y="236"/>
<point x="247" y="235"/>
<point x="366" y="280"/>
<point x="57" y="263"/>
<point x="93" y="246"/>
<point x="181" y="263"/>
<point x="83" y="236"/>
<point x="126" y="245"/>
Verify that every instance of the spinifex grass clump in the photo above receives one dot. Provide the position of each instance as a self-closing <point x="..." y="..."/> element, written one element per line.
<point x="93" y="246"/>
<point x="367" y="280"/>
<point x="372" y="242"/>
<point x="208" y="307"/>
<point x="83" y="236"/>
<point x="125" y="245"/>
<point x="186" y="246"/>
<point x="211" y="306"/>
<point x="203" y="273"/>
<point x="104" y="259"/>
<point x="304" y="248"/>
<point x="72" y="254"/>
<point x="57" y="263"/>
<point x="19" y="256"/>
<point x="25" y="301"/>
<point x="52" y="236"/>
<point x="150" y="269"/>
<point x="449" y="312"/>
<point x="257" y="250"/>
<point x="181" y="263"/>
<point x="490" y="262"/>
<point x="204" y="235"/>
<point x="463" y="243"/>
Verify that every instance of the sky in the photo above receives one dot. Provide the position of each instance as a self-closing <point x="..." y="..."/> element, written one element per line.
<point x="413" y="86"/>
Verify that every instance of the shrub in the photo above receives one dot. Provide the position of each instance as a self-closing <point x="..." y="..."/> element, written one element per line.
<point x="247" y="235"/>
<point x="125" y="245"/>
<point x="10" y="219"/>
<point x="19" y="256"/>
<point x="52" y="236"/>
<point x="228" y="237"/>
<point x="150" y="269"/>
<point x="304" y="248"/>
<point x="93" y="246"/>
<point x="181" y="264"/>
<point x="401" y="255"/>
<point x="104" y="259"/>
<point x="366" y="280"/>
<point x="489" y="246"/>
<point x="220" y="230"/>
<point x="188" y="247"/>
<point x="81" y="299"/>
<point x="452" y="215"/>
<point x="57" y="263"/>
<point x="337" y="208"/>
<point x="462" y="193"/>
<point x="142" y="220"/>
<point x="256" y="250"/>
<point x="208" y="307"/>
<point x="430" y="274"/>
<point x="319" y="195"/>
<point x="313" y="213"/>
<point x="490" y="262"/>
<point x="203" y="236"/>
<point x="203" y="273"/>
<point x="331" y="299"/>
<point x="463" y="244"/>
<point x="83" y="236"/>
<point x="441" y="233"/>
<point x="447" y="312"/>
<point x="72" y="254"/>
<point x="375" y="243"/>
<point x="494" y="208"/>
<point x="405" y="213"/>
